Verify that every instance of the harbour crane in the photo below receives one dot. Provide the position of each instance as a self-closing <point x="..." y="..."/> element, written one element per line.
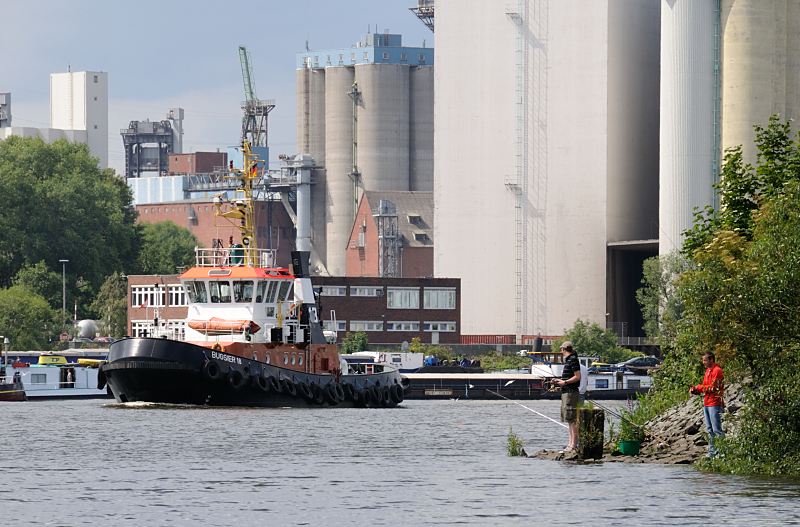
<point x="255" y="111"/>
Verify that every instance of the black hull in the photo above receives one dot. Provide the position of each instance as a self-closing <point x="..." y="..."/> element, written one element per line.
<point x="167" y="371"/>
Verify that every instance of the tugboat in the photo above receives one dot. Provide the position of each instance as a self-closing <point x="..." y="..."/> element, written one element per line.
<point x="253" y="335"/>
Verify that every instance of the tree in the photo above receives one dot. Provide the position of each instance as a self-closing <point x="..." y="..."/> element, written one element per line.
<point x="589" y="339"/>
<point x="112" y="306"/>
<point x="58" y="204"/>
<point x="658" y="296"/>
<point x="26" y="319"/>
<point x="354" y="342"/>
<point x="165" y="247"/>
<point x="42" y="281"/>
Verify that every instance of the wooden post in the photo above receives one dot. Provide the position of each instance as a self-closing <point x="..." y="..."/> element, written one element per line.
<point x="591" y="422"/>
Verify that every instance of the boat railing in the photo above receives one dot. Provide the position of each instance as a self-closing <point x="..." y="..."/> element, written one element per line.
<point x="234" y="257"/>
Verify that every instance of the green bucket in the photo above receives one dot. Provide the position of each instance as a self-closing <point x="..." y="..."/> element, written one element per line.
<point x="629" y="448"/>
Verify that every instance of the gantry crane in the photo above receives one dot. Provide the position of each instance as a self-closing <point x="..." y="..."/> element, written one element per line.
<point x="255" y="111"/>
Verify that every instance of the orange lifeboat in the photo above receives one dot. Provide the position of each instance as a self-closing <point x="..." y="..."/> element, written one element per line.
<point x="219" y="325"/>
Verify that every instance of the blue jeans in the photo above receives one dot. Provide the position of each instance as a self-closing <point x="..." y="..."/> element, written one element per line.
<point x="713" y="415"/>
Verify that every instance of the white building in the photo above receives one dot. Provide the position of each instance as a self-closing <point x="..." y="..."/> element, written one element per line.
<point x="78" y="112"/>
<point x="546" y="165"/>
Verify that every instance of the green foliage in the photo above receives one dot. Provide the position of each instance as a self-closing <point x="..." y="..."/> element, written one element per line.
<point x="165" y="247"/>
<point x="502" y="361"/>
<point x="26" y="319"/>
<point x="58" y="204"/>
<point x="589" y="339"/>
<point x="112" y="306"/>
<point x="658" y="296"/>
<point x="440" y="352"/>
<point x="514" y="444"/>
<point x="741" y="300"/>
<point x="38" y="279"/>
<point x="354" y="342"/>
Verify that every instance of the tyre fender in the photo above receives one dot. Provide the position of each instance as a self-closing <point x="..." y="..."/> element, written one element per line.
<point x="212" y="370"/>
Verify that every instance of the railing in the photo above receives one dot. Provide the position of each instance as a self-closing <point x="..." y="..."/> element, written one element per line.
<point x="234" y="257"/>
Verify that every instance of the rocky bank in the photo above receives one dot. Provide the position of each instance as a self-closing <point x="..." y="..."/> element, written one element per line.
<point x="675" y="437"/>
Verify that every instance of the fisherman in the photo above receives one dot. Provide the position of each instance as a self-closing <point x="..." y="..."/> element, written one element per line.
<point x="569" y="382"/>
<point x="712" y="390"/>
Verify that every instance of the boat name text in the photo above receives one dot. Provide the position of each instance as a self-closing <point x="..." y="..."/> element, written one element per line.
<point x="226" y="358"/>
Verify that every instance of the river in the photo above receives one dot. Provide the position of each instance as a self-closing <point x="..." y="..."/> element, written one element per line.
<point x="92" y="462"/>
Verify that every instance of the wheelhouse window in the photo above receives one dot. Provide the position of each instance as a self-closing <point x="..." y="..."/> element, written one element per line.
<point x="220" y="291"/>
<point x="243" y="290"/>
<point x="283" y="291"/>
<point x="402" y="298"/>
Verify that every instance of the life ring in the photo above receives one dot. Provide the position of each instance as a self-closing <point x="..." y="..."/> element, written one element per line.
<point x="236" y="379"/>
<point x="216" y="347"/>
<point x="397" y="393"/>
<point x="212" y="370"/>
<point x="289" y="387"/>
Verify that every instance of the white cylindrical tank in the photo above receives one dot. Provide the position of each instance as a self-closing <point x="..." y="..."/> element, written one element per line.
<point x="687" y="127"/>
<point x="383" y="136"/>
<point x="87" y="329"/>
<point x="421" y="128"/>
<point x="311" y="113"/>
<point x="339" y="192"/>
<point x="761" y="67"/>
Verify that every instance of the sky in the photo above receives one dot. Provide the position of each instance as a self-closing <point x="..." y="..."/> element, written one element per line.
<point x="161" y="54"/>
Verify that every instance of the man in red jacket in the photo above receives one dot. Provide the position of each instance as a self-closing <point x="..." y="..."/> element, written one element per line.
<point x="712" y="390"/>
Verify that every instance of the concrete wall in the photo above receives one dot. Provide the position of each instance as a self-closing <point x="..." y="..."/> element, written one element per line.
<point x="421" y="128"/>
<point x="572" y="148"/>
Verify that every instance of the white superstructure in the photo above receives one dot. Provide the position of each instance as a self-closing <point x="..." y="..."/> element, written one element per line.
<point x="546" y="134"/>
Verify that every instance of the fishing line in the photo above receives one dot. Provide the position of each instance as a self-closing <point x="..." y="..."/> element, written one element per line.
<point x="529" y="409"/>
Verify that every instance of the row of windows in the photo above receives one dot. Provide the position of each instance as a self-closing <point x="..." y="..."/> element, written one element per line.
<point x="153" y="296"/>
<point x="400" y="297"/>
<point x="377" y="325"/>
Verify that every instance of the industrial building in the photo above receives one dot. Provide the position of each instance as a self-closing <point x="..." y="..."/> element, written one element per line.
<point x="726" y="66"/>
<point x="78" y="112"/>
<point x="546" y="168"/>
<point x="392" y="235"/>
<point x="365" y="114"/>
<point x="148" y="145"/>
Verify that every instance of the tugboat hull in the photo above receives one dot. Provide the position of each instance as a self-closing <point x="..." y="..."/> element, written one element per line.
<point x="168" y="371"/>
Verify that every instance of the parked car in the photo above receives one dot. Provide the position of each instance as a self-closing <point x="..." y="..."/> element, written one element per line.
<point x="639" y="363"/>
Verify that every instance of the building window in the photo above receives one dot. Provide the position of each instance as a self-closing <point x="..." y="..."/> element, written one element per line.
<point x="177" y="295"/>
<point x="366" y="325"/>
<point x="402" y="297"/>
<point x="402" y="326"/>
<point x="435" y="298"/>
<point x="601" y="384"/>
<point x="421" y="57"/>
<point x="147" y="296"/>
<point x="366" y="56"/>
<point x="366" y="291"/>
<point x="403" y="57"/>
<point x="334" y="290"/>
<point x="385" y="55"/>
<point x="38" y="378"/>
<point x="448" y="327"/>
<point x="334" y="325"/>
<point x="95" y="79"/>
<point x="95" y="98"/>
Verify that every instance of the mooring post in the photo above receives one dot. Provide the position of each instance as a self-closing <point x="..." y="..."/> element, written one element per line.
<point x="591" y="422"/>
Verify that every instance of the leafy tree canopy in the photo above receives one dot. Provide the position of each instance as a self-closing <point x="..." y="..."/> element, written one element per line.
<point x="26" y="319"/>
<point x="58" y="204"/>
<point x="111" y="305"/>
<point x="42" y="281"/>
<point x="354" y="342"/>
<point x="589" y="339"/>
<point x="165" y="247"/>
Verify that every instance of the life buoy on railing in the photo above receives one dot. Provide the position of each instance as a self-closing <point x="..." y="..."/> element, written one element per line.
<point x="216" y="347"/>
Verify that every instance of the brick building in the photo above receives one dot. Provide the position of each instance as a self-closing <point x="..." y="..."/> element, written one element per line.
<point x="406" y="221"/>
<point x="197" y="162"/>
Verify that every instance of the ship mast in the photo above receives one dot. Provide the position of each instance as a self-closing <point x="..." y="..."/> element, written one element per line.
<point x="241" y="212"/>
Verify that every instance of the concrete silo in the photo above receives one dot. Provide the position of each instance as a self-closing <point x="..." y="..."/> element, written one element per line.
<point x="389" y="150"/>
<point x="760" y="67"/>
<point x="340" y="192"/>
<point x="421" y="133"/>
<point x="688" y="128"/>
<point x="383" y="124"/>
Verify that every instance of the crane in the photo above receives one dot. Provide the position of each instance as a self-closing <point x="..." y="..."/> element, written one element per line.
<point x="255" y="111"/>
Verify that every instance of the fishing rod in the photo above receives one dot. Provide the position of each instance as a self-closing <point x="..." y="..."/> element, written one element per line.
<point x="529" y="409"/>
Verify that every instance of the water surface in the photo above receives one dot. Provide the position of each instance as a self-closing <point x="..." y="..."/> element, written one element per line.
<point x="91" y="462"/>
